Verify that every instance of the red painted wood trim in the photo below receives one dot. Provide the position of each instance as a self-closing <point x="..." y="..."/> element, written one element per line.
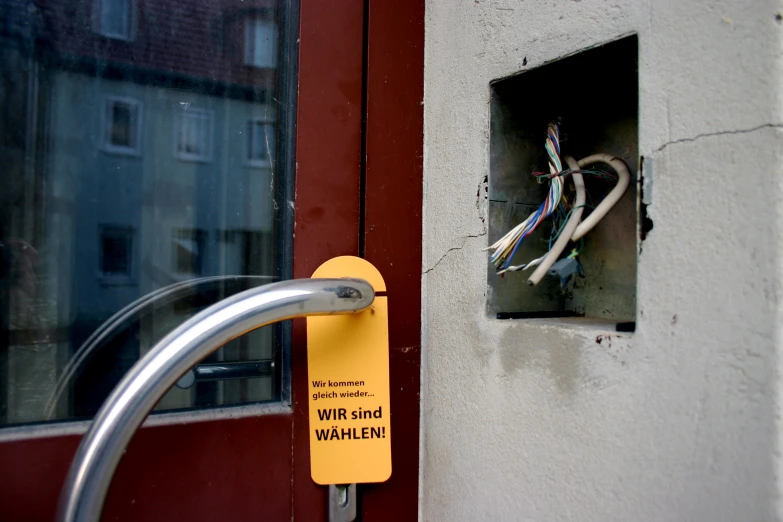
<point x="394" y="145"/>
<point x="329" y="128"/>
<point x="31" y="477"/>
<point x="328" y="138"/>
<point x="221" y="470"/>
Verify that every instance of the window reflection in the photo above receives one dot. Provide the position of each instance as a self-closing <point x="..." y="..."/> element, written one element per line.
<point x="116" y="253"/>
<point x="138" y="139"/>
<point x="114" y="18"/>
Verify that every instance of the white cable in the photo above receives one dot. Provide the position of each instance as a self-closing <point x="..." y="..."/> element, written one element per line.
<point x="568" y="228"/>
<point x="609" y="201"/>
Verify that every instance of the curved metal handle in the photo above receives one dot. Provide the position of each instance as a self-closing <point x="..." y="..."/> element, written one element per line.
<point x="148" y="380"/>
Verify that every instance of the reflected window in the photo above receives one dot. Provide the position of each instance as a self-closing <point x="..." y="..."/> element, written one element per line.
<point x="188" y="248"/>
<point x="260" y="142"/>
<point x="260" y="43"/>
<point x="116" y="250"/>
<point x="194" y="136"/>
<point x="114" y="18"/>
<point x="122" y="126"/>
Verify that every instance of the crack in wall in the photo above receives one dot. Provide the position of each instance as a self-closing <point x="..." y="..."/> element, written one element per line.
<point x="719" y="133"/>
<point x="464" y="240"/>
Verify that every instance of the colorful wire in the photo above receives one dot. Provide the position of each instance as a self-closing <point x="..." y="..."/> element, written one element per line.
<point x="506" y="247"/>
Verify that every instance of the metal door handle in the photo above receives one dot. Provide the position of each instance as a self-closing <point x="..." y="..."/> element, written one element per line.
<point x="137" y="393"/>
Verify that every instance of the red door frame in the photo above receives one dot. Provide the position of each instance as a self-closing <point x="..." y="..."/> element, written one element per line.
<point x="358" y="185"/>
<point x="394" y="144"/>
<point x="328" y="189"/>
<point x="389" y="209"/>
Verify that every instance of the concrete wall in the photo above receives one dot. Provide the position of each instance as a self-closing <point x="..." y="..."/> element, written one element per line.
<point x="545" y="420"/>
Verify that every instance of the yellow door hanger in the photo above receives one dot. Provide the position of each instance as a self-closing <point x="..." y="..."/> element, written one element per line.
<point x="348" y="378"/>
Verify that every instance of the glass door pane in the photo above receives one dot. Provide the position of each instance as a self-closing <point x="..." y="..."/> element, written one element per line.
<point x="142" y="152"/>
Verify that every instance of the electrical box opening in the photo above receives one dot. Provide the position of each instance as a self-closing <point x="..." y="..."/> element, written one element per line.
<point x="590" y="102"/>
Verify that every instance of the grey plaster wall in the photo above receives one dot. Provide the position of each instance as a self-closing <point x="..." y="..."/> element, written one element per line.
<point x="552" y="420"/>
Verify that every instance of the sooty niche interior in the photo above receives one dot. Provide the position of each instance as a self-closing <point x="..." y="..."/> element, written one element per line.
<point x="593" y="95"/>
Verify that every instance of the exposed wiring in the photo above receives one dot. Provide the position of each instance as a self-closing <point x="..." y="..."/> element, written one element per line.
<point x="609" y="201"/>
<point x="505" y="248"/>
<point x="567" y="230"/>
<point x="587" y="172"/>
<point x="566" y="211"/>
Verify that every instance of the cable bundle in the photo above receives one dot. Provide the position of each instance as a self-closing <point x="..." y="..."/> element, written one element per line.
<point x="505" y="248"/>
<point x="567" y="220"/>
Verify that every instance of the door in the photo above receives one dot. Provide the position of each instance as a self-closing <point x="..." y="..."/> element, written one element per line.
<point x="150" y="143"/>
